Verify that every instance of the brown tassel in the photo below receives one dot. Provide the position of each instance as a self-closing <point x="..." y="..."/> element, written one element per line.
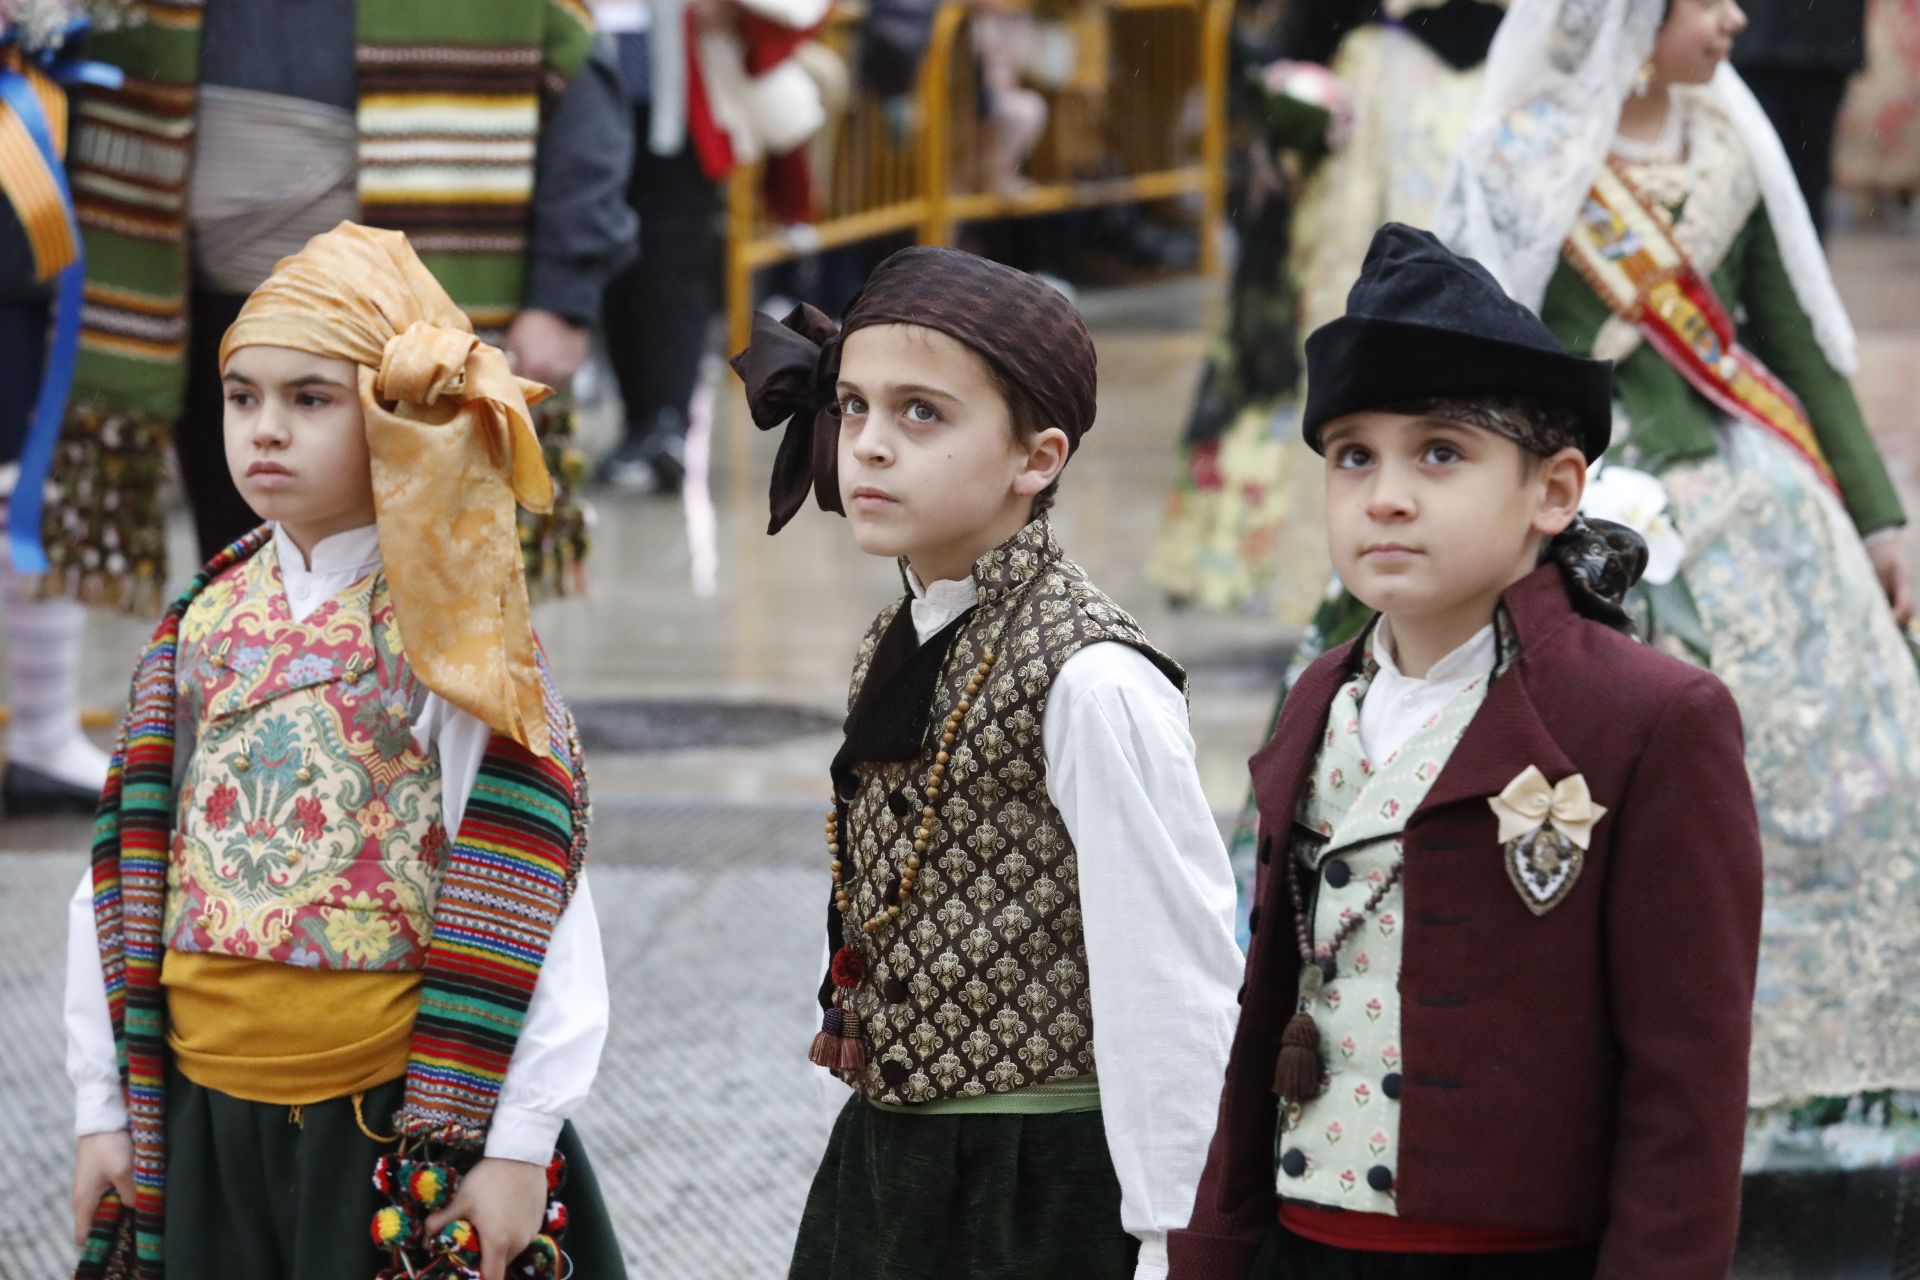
<point x="826" y="1045"/>
<point x="1296" y="1077"/>
<point x="853" y="1053"/>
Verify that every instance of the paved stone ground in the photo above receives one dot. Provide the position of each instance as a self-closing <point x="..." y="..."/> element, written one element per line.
<point x="706" y="1120"/>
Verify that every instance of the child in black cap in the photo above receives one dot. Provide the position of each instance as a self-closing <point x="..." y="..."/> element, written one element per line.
<point x="1497" y="1006"/>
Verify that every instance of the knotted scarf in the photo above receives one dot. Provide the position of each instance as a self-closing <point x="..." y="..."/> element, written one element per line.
<point x="1029" y="334"/>
<point x="453" y="450"/>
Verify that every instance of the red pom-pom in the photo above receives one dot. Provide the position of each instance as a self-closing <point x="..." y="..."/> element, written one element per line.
<point x="556" y="1223"/>
<point x="556" y="1173"/>
<point x="848" y="968"/>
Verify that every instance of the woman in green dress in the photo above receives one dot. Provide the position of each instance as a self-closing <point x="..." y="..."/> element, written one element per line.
<point x="1621" y="179"/>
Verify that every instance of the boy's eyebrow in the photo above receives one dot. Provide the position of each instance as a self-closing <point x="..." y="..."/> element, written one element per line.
<point x="308" y="380"/>
<point x="1337" y="431"/>
<point x="902" y="389"/>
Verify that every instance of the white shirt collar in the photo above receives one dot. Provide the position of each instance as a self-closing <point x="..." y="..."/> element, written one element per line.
<point x="1397" y="704"/>
<point x="936" y="605"/>
<point x="1474" y="657"/>
<point x="356" y="551"/>
<point x="337" y="563"/>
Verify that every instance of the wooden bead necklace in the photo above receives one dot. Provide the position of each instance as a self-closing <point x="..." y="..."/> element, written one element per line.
<point x="1297" y="1073"/>
<point x="929" y="814"/>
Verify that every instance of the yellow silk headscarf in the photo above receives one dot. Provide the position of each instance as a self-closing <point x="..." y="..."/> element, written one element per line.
<point x="453" y="450"/>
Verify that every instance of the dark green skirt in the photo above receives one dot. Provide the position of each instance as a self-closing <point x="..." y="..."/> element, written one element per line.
<point x="250" y="1193"/>
<point x="969" y="1197"/>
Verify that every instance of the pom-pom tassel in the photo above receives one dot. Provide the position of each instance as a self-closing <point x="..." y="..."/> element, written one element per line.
<point x="1296" y="1076"/>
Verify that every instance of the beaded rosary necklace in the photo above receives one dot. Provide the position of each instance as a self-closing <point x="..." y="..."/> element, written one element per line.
<point x="1297" y="1074"/>
<point x="838" y="1046"/>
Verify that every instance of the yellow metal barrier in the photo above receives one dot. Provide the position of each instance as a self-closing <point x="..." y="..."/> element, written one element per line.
<point x="1151" y="127"/>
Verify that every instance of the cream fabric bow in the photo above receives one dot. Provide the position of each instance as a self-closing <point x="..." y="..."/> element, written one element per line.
<point x="1528" y="803"/>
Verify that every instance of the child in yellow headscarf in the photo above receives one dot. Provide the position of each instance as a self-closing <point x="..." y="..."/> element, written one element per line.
<point x="335" y="983"/>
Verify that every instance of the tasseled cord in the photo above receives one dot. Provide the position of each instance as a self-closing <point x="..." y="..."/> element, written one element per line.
<point x="1296" y="1076"/>
<point x="838" y="1046"/>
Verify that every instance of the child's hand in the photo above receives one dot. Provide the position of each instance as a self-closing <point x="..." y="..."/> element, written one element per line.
<point x="506" y="1201"/>
<point x="101" y="1161"/>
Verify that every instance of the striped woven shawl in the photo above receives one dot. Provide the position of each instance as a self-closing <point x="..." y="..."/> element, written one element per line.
<point x="451" y="96"/>
<point x="509" y="875"/>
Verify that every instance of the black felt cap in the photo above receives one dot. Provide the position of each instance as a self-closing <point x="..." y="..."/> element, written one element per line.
<point x="1423" y="322"/>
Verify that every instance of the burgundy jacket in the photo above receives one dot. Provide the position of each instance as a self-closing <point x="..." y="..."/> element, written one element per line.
<point x="1583" y="1072"/>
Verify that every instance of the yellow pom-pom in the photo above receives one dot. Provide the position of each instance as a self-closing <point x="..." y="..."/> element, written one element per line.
<point x="393" y="1228"/>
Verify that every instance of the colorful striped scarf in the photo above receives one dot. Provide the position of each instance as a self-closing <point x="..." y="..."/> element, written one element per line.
<point x="451" y="98"/>
<point x="509" y="875"/>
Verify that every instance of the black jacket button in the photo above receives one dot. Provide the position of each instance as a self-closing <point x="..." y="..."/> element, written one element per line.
<point x="895" y="991"/>
<point x="1294" y="1163"/>
<point x="1380" y="1178"/>
<point x="1253" y="921"/>
<point x="1338" y="873"/>
<point x="893" y="1072"/>
<point x="899" y="803"/>
<point x="1390" y="1084"/>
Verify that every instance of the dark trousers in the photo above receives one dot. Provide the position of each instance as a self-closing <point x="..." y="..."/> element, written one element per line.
<point x="252" y="1193"/>
<point x="220" y="514"/>
<point x="23" y="353"/>
<point x="1286" y="1256"/>
<point x="658" y="312"/>
<point x="1803" y="105"/>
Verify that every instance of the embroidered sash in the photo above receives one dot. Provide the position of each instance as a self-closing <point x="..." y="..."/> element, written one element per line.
<point x="1625" y="249"/>
<point x="507" y="879"/>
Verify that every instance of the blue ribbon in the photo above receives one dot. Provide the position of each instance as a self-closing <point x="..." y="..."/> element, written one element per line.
<point x="43" y="432"/>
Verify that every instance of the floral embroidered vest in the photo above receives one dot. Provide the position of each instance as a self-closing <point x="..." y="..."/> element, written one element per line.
<point x="1339" y="1149"/>
<point x="981" y="986"/>
<point x="309" y="827"/>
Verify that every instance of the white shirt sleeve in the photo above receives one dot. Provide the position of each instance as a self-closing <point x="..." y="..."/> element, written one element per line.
<point x="93" y="1064"/>
<point x="558" y="1054"/>
<point x="1157" y="897"/>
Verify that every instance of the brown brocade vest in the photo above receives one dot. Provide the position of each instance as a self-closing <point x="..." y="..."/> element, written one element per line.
<point x="981" y="985"/>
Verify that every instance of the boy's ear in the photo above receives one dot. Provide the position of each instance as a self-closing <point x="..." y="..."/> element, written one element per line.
<point x="1563" y="480"/>
<point x="1046" y="454"/>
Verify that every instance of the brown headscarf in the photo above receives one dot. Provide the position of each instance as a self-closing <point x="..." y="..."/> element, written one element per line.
<point x="1023" y="327"/>
<point x="453" y="450"/>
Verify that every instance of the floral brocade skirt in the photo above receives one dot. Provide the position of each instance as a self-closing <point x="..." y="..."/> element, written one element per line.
<point x="1829" y="691"/>
<point x="1244" y="529"/>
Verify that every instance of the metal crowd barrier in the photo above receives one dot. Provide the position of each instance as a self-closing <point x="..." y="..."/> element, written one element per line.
<point x="1143" y="117"/>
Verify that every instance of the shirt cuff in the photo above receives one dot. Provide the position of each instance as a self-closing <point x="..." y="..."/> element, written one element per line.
<point x="1891" y="533"/>
<point x="518" y="1133"/>
<point x="1152" y="1263"/>
<point x="99" y="1107"/>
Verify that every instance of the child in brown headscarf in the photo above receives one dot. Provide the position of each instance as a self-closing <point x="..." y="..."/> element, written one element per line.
<point x="1033" y="965"/>
<point x="349" y="984"/>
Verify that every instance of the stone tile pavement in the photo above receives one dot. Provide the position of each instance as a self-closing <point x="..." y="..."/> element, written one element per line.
<point x="706" y="1120"/>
